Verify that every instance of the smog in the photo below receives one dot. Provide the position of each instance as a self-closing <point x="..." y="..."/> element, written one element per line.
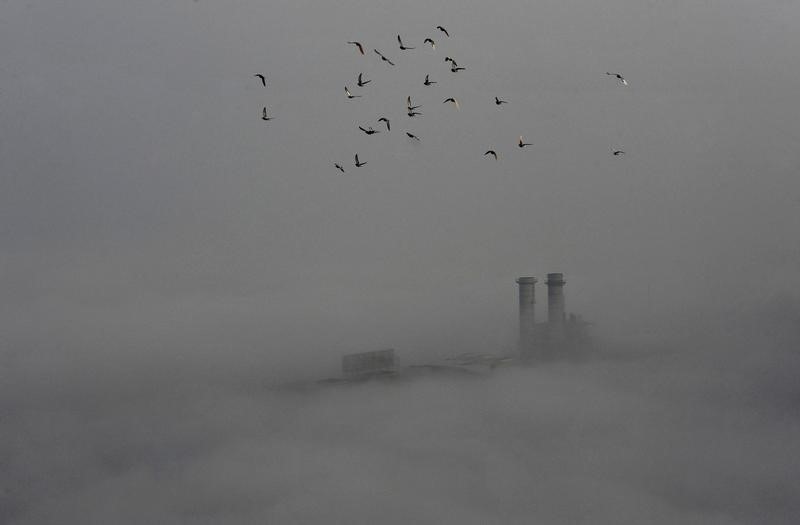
<point x="399" y="262"/>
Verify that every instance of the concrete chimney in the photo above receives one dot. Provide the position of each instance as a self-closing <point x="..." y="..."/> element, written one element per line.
<point x="527" y="318"/>
<point x="555" y="306"/>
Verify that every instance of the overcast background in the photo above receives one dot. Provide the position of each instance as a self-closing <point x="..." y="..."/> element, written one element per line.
<point x="167" y="255"/>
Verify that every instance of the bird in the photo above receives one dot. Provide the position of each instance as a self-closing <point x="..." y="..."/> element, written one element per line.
<point x="409" y="106"/>
<point x="412" y="113"/>
<point x="358" y="163"/>
<point x="369" y="131"/>
<point x="428" y="81"/>
<point x="456" y="69"/>
<point x="263" y="79"/>
<point x="412" y="136"/>
<point x="338" y="167"/>
<point x="448" y="59"/>
<point x="362" y="83"/>
<point x="402" y="47"/>
<point x="619" y="77"/>
<point x="386" y="120"/>
<point x="443" y="30"/>
<point x="491" y="152"/>
<point x="453" y="100"/>
<point x="430" y="41"/>
<point x="523" y="144"/>
<point x="498" y="101"/>
<point x="359" y="46"/>
<point x="617" y="152"/>
<point x="383" y="57"/>
<point x="264" y="115"/>
<point x="350" y="95"/>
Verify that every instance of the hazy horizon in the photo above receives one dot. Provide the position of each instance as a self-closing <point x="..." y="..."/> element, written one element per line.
<point x="168" y="256"/>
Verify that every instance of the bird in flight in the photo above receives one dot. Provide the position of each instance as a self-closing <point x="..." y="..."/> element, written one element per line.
<point x="358" y="163"/>
<point x="383" y="57"/>
<point x="617" y="152"/>
<point x="491" y="152"/>
<point x="368" y="131"/>
<point x="456" y="69"/>
<point x="453" y="100"/>
<point x="361" y="82"/>
<point x="443" y="30"/>
<point x="350" y="95"/>
<point x="498" y="101"/>
<point x="402" y="47"/>
<point x="428" y="81"/>
<point x="522" y="144"/>
<point x="619" y="77"/>
<point x="412" y="113"/>
<point x="430" y="41"/>
<point x="408" y="104"/>
<point x="386" y="120"/>
<point x="412" y="136"/>
<point x="338" y="167"/>
<point x="359" y="46"/>
<point x="264" y="115"/>
<point x="263" y="79"/>
<point x="448" y="59"/>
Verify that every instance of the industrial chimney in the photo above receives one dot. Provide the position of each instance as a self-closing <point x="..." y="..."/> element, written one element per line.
<point x="555" y="306"/>
<point x="527" y="318"/>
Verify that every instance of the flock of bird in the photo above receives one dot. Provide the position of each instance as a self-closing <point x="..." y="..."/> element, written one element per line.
<point x="411" y="109"/>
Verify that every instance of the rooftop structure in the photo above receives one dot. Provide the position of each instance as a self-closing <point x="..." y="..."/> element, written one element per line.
<point x="561" y="336"/>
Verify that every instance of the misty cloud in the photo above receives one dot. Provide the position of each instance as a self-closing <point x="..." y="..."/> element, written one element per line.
<point x="704" y="430"/>
<point x="174" y="271"/>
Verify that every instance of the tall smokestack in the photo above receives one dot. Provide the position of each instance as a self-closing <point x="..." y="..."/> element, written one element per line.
<point x="555" y="306"/>
<point x="527" y="318"/>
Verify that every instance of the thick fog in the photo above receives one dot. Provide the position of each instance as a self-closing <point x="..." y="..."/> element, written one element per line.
<point x="177" y="273"/>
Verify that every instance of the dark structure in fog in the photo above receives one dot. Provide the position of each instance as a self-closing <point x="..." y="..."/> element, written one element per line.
<point x="560" y="337"/>
<point x="368" y="363"/>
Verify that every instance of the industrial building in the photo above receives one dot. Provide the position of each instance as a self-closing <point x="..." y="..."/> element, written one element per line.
<point x="561" y="337"/>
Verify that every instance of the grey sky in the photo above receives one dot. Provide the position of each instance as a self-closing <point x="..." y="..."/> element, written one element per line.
<point x="150" y="219"/>
<point x="134" y="157"/>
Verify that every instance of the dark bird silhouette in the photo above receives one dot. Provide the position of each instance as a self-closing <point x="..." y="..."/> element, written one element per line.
<point x="491" y="152"/>
<point x="383" y="57"/>
<point x="359" y="164"/>
<point x="350" y="95"/>
<point x="359" y="46"/>
<point x="430" y="41"/>
<point x="619" y="77"/>
<point x="428" y="81"/>
<point x="338" y="167"/>
<point x="264" y="115"/>
<point x="448" y="59"/>
<point x="443" y="30"/>
<point x="498" y="101"/>
<point x="409" y="106"/>
<point x="412" y="113"/>
<point x="456" y="69"/>
<point x="362" y="83"/>
<point x="369" y="131"/>
<point x="523" y="144"/>
<point x="412" y="136"/>
<point x="386" y="120"/>
<point x="263" y="79"/>
<point x="402" y="47"/>
<point x="453" y="100"/>
<point x="617" y="152"/>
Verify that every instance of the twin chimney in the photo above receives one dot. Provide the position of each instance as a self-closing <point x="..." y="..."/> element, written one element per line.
<point x="538" y="341"/>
